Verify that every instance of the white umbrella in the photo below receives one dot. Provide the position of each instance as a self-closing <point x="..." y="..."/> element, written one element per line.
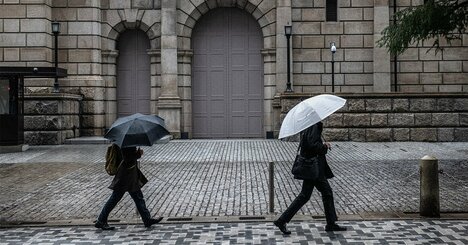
<point x="309" y="112"/>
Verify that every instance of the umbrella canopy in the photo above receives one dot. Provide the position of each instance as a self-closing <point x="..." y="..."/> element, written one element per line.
<point x="137" y="130"/>
<point x="309" y="112"/>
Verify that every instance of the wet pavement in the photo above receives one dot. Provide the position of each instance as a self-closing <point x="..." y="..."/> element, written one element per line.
<point x="227" y="180"/>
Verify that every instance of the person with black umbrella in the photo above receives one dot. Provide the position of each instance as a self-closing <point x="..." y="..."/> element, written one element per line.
<point x="129" y="179"/>
<point x="128" y="133"/>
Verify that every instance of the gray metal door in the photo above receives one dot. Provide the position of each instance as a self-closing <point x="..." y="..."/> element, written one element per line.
<point x="133" y="74"/>
<point x="227" y="70"/>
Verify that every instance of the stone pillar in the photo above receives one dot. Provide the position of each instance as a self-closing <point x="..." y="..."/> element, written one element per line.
<point x="270" y="113"/>
<point x="185" y="81"/>
<point x="382" y="82"/>
<point x="283" y="17"/>
<point x="169" y="105"/>
<point x="109" y="75"/>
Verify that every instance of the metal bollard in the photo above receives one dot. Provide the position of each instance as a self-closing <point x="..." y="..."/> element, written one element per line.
<point x="271" y="185"/>
<point x="429" y="205"/>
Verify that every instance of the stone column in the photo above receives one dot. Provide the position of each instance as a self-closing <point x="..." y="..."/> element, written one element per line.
<point x="155" y="57"/>
<point x="283" y="17"/>
<point x="382" y="82"/>
<point x="169" y="105"/>
<point x="185" y="81"/>
<point x="109" y="76"/>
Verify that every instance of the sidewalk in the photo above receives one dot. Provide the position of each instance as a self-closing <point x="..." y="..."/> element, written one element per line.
<point x="363" y="232"/>
<point x="224" y="178"/>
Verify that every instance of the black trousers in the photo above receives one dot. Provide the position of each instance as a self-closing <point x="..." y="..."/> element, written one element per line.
<point x="307" y="188"/>
<point x="116" y="196"/>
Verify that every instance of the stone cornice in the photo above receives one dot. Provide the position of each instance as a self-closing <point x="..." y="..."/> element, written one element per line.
<point x="110" y="53"/>
<point x="380" y="95"/>
<point x="53" y="96"/>
<point x="185" y="52"/>
<point x="154" y="52"/>
<point x="269" y="51"/>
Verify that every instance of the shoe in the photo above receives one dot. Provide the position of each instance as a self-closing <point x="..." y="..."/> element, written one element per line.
<point x="153" y="221"/>
<point x="282" y="227"/>
<point x="335" y="227"/>
<point x="103" y="226"/>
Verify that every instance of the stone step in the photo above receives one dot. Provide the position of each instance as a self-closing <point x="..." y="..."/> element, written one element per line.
<point x="87" y="140"/>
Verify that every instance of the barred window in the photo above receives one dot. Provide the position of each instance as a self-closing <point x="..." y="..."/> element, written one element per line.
<point x="332" y="10"/>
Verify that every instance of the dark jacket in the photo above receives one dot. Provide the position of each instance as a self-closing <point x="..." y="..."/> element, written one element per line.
<point x="129" y="177"/>
<point x="312" y="145"/>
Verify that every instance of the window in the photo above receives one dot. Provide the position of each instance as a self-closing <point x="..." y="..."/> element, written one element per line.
<point x="4" y="96"/>
<point x="332" y="10"/>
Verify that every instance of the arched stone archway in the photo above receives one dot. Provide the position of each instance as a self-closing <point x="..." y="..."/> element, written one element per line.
<point x="146" y="21"/>
<point x="264" y="14"/>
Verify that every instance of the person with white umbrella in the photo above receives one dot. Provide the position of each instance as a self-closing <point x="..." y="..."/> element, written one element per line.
<point x="308" y="115"/>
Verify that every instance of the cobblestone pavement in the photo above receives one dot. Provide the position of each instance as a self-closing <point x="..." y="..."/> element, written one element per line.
<point x="361" y="232"/>
<point x="190" y="178"/>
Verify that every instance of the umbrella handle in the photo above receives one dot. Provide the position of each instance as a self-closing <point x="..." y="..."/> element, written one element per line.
<point x="323" y="139"/>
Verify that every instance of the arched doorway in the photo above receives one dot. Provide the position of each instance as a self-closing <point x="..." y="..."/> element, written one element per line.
<point x="227" y="75"/>
<point x="133" y="73"/>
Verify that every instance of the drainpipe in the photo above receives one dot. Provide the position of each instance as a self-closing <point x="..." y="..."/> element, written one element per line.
<point x="395" y="58"/>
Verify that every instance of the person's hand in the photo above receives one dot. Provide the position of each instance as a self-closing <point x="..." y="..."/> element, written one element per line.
<point x="140" y="151"/>
<point x="328" y="145"/>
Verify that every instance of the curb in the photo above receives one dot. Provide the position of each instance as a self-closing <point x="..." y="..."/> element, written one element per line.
<point x="235" y="219"/>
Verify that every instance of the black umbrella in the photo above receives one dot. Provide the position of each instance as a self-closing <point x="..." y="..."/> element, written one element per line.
<point x="137" y="130"/>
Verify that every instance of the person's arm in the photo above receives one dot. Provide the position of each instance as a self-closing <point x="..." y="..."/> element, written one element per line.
<point x="139" y="153"/>
<point x="315" y="142"/>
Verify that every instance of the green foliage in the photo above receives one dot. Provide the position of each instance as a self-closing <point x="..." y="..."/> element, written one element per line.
<point x="434" y="19"/>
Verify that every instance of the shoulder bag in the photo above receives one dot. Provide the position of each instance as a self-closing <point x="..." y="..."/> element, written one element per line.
<point x="305" y="168"/>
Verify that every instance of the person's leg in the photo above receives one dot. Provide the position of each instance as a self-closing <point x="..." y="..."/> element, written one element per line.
<point x="110" y="205"/>
<point x="328" y="204"/>
<point x="141" y="206"/>
<point x="325" y="190"/>
<point x="139" y="200"/>
<point x="301" y="199"/>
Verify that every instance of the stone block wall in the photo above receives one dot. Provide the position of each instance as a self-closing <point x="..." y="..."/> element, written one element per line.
<point x="394" y="117"/>
<point x="25" y="33"/>
<point x="359" y="64"/>
<point x="423" y="70"/>
<point x="49" y="119"/>
<point x="353" y="35"/>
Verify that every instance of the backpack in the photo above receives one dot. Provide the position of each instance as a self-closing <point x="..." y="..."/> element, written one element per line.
<point x="113" y="159"/>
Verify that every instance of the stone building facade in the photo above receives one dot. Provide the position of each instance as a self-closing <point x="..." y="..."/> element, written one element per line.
<point x="217" y="68"/>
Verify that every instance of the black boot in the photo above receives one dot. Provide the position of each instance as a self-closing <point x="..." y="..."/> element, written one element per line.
<point x="151" y="222"/>
<point x="103" y="225"/>
<point x="282" y="227"/>
<point x="334" y="227"/>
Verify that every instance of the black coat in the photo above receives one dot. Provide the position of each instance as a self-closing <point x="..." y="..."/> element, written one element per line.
<point x="312" y="145"/>
<point x="129" y="177"/>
